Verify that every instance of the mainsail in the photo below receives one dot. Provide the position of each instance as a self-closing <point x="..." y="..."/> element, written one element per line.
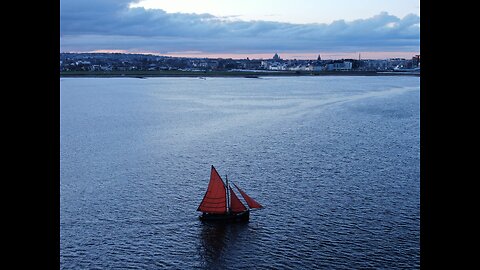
<point x="215" y="199"/>
<point x="251" y="202"/>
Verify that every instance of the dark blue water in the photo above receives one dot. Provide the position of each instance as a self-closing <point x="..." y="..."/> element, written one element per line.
<point x="334" y="160"/>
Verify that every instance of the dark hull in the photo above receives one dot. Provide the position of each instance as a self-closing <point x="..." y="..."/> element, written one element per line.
<point x="231" y="217"/>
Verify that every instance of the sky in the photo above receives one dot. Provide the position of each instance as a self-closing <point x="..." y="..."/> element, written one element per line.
<point x="295" y="29"/>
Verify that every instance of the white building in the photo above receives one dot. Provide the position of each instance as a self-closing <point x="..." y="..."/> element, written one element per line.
<point x="340" y="66"/>
<point x="277" y="66"/>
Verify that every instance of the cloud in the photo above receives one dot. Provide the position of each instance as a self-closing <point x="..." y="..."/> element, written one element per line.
<point x="111" y="24"/>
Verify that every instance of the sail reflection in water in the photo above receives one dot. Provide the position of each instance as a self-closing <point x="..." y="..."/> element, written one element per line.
<point x="217" y="241"/>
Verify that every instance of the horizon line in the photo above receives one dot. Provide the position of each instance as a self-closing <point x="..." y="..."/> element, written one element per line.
<point x="380" y="55"/>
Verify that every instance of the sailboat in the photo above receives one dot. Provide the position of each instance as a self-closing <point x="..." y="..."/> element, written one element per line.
<point x="221" y="203"/>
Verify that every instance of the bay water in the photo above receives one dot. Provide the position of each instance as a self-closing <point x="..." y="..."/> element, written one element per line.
<point x="335" y="161"/>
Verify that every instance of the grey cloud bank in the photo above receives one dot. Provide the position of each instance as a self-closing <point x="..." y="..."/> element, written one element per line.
<point x="111" y="25"/>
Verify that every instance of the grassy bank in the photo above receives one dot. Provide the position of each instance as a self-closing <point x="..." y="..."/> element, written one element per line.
<point x="247" y="74"/>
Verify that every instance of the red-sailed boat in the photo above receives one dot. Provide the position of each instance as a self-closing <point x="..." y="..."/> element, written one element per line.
<point x="221" y="203"/>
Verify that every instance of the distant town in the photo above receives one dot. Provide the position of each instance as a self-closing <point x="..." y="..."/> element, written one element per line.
<point x="122" y="62"/>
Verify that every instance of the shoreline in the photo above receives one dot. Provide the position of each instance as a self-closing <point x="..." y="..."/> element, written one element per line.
<point x="239" y="74"/>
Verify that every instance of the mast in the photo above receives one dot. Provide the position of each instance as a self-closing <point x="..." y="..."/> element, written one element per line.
<point x="227" y="188"/>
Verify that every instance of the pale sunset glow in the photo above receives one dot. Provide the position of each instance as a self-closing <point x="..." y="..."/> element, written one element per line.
<point x="299" y="56"/>
<point x="108" y="51"/>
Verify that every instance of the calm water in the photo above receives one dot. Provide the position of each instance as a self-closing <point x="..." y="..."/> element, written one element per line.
<point x="334" y="160"/>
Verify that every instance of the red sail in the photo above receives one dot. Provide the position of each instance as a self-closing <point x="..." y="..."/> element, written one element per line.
<point x="215" y="199"/>
<point x="236" y="205"/>
<point x="251" y="202"/>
